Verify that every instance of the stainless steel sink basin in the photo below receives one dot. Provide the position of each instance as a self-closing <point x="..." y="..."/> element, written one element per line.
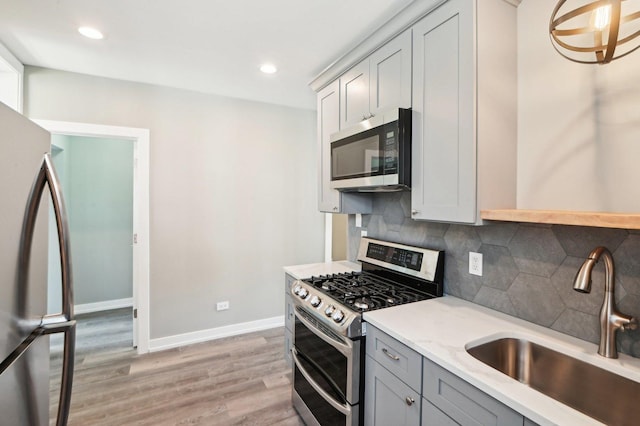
<point x="598" y="393"/>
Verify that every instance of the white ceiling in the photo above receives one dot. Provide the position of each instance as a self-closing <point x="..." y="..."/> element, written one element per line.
<point x="209" y="46"/>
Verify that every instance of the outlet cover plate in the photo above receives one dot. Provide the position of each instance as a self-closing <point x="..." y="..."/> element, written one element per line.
<point x="475" y="263"/>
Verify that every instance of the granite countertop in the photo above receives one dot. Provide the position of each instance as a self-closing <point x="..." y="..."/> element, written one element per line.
<point x="441" y="328"/>
<point x="301" y="272"/>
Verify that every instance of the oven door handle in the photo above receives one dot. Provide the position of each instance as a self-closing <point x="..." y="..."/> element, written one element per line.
<point x="342" y="408"/>
<point x="344" y="348"/>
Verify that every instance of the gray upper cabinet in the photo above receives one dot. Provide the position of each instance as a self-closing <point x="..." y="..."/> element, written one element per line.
<point x="380" y="82"/>
<point x="328" y="123"/>
<point x="390" y="75"/>
<point x="331" y="200"/>
<point x="464" y="103"/>
<point x="354" y="102"/>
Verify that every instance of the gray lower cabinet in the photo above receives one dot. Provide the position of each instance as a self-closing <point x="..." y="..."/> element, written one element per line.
<point x="461" y="402"/>
<point x="388" y="400"/>
<point x="404" y="388"/>
<point x="288" y="319"/>
<point x="432" y="416"/>
<point x="393" y="378"/>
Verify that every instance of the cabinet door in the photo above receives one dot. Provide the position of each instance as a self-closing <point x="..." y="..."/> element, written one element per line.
<point x="354" y="95"/>
<point x="431" y="416"/>
<point x="288" y="344"/>
<point x="390" y="79"/>
<point x="328" y="123"/>
<point x="462" y="402"/>
<point x="388" y="400"/>
<point x="444" y="142"/>
<point x="288" y="319"/>
<point x="289" y="313"/>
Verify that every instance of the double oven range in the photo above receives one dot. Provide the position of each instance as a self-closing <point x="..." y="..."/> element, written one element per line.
<point x="329" y="332"/>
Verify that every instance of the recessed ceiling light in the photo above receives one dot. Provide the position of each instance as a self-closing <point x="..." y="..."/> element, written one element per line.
<point x="268" y="68"/>
<point x="91" y="33"/>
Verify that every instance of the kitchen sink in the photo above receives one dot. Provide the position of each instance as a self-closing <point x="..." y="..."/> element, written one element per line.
<point x="598" y="393"/>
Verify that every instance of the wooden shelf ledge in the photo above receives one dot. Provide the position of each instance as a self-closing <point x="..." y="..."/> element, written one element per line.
<point x="566" y="217"/>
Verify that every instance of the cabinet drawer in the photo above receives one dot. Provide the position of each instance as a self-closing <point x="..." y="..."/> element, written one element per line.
<point x="396" y="357"/>
<point x="288" y="280"/>
<point x="462" y="402"/>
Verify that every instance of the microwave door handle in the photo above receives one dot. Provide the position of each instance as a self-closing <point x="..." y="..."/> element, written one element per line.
<point x="62" y="322"/>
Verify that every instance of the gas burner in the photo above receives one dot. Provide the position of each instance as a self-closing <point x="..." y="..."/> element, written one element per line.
<point x="326" y="285"/>
<point x="361" y="304"/>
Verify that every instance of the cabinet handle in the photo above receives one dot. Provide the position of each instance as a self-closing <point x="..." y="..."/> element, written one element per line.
<point x="390" y="355"/>
<point x="409" y="401"/>
<point x="364" y="117"/>
<point x="414" y="212"/>
<point x="335" y="209"/>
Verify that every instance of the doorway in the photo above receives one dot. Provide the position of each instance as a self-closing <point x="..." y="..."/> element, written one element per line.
<point x="134" y="144"/>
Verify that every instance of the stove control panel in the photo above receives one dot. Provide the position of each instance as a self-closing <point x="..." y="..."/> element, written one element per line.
<point x="327" y="310"/>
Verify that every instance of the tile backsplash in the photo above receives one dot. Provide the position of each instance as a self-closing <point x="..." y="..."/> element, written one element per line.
<point x="528" y="269"/>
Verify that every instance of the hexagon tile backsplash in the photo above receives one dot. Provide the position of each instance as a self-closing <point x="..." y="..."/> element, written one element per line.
<point x="528" y="269"/>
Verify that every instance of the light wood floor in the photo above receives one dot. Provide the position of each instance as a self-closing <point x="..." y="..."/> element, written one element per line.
<point x="240" y="380"/>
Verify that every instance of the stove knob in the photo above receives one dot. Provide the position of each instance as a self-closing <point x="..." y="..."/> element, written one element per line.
<point x="338" y="316"/>
<point x="329" y="311"/>
<point x="303" y="293"/>
<point x="297" y="289"/>
<point x="315" y="301"/>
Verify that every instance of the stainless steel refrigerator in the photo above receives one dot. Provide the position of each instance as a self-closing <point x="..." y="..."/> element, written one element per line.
<point x="26" y="172"/>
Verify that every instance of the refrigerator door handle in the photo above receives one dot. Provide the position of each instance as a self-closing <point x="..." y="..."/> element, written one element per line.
<point x="64" y="321"/>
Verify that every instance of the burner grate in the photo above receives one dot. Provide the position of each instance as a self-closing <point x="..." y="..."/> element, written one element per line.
<point x="362" y="291"/>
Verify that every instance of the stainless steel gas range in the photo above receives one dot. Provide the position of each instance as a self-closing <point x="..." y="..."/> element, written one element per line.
<point x="329" y="333"/>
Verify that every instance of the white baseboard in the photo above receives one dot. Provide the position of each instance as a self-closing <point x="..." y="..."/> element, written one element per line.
<point x="169" y="342"/>
<point x="86" y="308"/>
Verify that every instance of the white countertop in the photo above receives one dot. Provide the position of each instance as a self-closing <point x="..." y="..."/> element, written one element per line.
<point x="301" y="272"/>
<point x="441" y="328"/>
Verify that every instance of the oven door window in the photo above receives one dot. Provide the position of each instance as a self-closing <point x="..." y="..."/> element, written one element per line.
<point x="324" y="413"/>
<point x="327" y="366"/>
<point x="358" y="156"/>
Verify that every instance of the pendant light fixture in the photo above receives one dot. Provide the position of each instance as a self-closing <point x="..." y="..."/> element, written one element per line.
<point x="595" y="31"/>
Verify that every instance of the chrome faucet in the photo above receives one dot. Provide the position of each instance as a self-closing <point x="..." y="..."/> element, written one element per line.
<point x="610" y="318"/>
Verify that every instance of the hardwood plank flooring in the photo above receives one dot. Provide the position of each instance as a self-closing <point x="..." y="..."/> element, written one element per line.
<point x="239" y="380"/>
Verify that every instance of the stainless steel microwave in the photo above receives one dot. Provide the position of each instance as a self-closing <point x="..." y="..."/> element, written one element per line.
<point x="374" y="155"/>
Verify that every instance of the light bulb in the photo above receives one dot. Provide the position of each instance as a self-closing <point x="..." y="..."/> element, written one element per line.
<point x="602" y="17"/>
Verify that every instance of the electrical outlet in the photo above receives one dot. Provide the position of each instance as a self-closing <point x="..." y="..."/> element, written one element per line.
<point x="363" y="233"/>
<point x="475" y="263"/>
<point x="222" y="306"/>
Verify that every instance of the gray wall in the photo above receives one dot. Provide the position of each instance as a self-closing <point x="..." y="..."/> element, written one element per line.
<point x="232" y="196"/>
<point x="578" y="125"/>
<point x="97" y="180"/>
<point x="528" y="268"/>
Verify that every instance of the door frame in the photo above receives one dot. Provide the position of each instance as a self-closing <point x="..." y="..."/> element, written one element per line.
<point x="141" y="284"/>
